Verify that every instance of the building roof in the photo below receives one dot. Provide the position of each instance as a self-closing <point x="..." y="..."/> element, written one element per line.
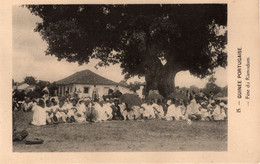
<point x="123" y="83"/>
<point x="86" y="77"/>
<point x="23" y="86"/>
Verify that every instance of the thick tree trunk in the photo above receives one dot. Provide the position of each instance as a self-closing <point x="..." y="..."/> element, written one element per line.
<point x="161" y="80"/>
<point x="167" y="82"/>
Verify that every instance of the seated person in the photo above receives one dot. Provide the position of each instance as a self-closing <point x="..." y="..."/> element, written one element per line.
<point x="39" y="114"/>
<point x="218" y="113"/>
<point x="61" y="111"/>
<point x="148" y="111"/>
<point x="49" y="111"/>
<point x="192" y="111"/>
<point x="79" y="111"/>
<point x="27" y="105"/>
<point x="116" y="111"/>
<point x="158" y="109"/>
<point x="174" y="112"/>
<point x="205" y="111"/>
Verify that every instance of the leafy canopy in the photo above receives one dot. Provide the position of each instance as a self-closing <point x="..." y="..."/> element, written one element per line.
<point x="139" y="37"/>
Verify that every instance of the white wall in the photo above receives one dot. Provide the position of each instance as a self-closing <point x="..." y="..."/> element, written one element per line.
<point x="124" y="89"/>
<point x="102" y="89"/>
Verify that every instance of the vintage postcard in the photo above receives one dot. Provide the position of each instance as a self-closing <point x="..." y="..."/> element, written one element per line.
<point x="130" y="81"/>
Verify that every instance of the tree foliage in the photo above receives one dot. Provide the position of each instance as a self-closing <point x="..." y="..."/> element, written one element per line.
<point x="139" y="37"/>
<point x="211" y="88"/>
<point x="30" y="80"/>
<point x="134" y="86"/>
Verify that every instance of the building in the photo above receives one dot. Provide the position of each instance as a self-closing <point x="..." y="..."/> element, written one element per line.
<point x="24" y="87"/>
<point x="84" y="83"/>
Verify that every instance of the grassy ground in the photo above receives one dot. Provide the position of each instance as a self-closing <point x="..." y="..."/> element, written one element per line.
<point x="151" y="135"/>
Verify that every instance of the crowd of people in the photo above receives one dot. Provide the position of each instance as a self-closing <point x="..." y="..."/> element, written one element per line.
<point x="55" y="110"/>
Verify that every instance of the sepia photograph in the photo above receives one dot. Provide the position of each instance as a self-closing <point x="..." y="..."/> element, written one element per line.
<point x="119" y="78"/>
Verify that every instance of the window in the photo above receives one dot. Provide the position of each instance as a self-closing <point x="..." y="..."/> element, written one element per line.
<point x="86" y="89"/>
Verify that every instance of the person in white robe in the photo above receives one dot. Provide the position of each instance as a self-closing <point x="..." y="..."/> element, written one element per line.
<point x="218" y="113"/>
<point x="39" y="114"/>
<point x="62" y="111"/>
<point x="174" y="112"/>
<point x="99" y="111"/>
<point x="108" y="110"/>
<point x="72" y="109"/>
<point x="144" y="107"/>
<point x="192" y="111"/>
<point x="137" y="112"/>
<point x="205" y="112"/>
<point x="148" y="110"/>
<point x="158" y="110"/>
<point x="123" y="110"/>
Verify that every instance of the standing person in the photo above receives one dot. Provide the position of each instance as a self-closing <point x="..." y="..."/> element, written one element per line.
<point x="95" y="95"/>
<point x="39" y="114"/>
<point x="165" y="106"/>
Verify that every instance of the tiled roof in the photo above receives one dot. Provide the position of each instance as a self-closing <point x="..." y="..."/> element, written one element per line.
<point x="86" y="77"/>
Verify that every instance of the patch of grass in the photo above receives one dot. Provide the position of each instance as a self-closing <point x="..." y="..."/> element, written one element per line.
<point x="150" y="135"/>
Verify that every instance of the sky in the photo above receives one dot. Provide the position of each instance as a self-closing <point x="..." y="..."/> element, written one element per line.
<point x="29" y="58"/>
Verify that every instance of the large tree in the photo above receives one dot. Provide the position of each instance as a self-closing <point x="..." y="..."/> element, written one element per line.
<point x="154" y="41"/>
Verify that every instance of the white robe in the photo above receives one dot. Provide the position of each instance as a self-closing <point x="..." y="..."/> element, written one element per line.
<point x="218" y="113"/>
<point x="148" y="111"/>
<point x="192" y="108"/>
<point x="108" y="110"/>
<point x="101" y="115"/>
<point x="175" y="112"/>
<point x="123" y="110"/>
<point x="158" y="110"/>
<point x="39" y="116"/>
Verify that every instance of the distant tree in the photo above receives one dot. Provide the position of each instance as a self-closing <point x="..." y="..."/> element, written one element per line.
<point x="224" y="91"/>
<point x="184" y="89"/>
<point x="194" y="88"/>
<point x="134" y="86"/>
<point x="52" y="87"/>
<point x="155" y="41"/>
<point x="211" y="87"/>
<point x="41" y="85"/>
<point x="212" y="79"/>
<point x="30" y="80"/>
